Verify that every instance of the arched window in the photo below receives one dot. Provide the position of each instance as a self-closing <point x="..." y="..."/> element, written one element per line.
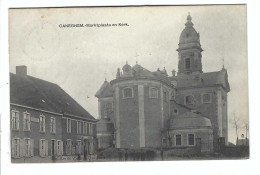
<point x="128" y="92"/>
<point x="153" y="92"/>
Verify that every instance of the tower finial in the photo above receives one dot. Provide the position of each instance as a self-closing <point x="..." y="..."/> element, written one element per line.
<point x="136" y="59"/>
<point x="105" y="75"/>
<point x="223" y="62"/>
<point x="189" y="23"/>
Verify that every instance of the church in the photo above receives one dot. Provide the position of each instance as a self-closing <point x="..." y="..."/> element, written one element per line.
<point x="141" y="108"/>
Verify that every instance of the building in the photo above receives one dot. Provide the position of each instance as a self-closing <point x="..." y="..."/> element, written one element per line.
<point x="151" y="109"/>
<point x="46" y="123"/>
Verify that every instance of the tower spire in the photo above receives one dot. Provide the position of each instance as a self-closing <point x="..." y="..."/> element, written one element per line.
<point x="189" y="23"/>
<point x="223" y="62"/>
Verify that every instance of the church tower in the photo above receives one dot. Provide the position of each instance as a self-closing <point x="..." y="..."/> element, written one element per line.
<point x="189" y="50"/>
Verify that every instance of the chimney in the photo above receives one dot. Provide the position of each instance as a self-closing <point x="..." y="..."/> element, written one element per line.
<point x="173" y="73"/>
<point x="21" y="70"/>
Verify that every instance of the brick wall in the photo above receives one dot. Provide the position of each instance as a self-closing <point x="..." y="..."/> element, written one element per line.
<point x="34" y="132"/>
<point x="129" y="119"/>
<point x="209" y="110"/>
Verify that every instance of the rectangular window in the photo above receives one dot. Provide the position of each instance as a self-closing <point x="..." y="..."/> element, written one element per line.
<point x="85" y="128"/>
<point x="16" y="148"/>
<point x="42" y="123"/>
<point x="68" y="147"/>
<point x="53" y="125"/>
<point x="90" y="128"/>
<point x="178" y="139"/>
<point x="68" y="125"/>
<point x="206" y="98"/>
<point x="78" y="147"/>
<point x="43" y="148"/>
<point x="187" y="63"/>
<point x="27" y="147"/>
<point x="59" y="147"/>
<point x="191" y="139"/>
<point x="15" y="120"/>
<point x="189" y="99"/>
<point x="26" y="121"/>
<point x="79" y="129"/>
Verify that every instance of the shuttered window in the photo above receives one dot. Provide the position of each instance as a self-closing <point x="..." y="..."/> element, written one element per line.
<point x="68" y="125"/>
<point x="78" y="147"/>
<point x="90" y="128"/>
<point x="27" y="147"/>
<point x="53" y="125"/>
<point x="43" y="148"/>
<point x="26" y="121"/>
<point x="15" y="119"/>
<point x="59" y="147"/>
<point x="85" y="127"/>
<point x="68" y="147"/>
<point x="42" y="123"/>
<point x="15" y="148"/>
<point x="79" y="129"/>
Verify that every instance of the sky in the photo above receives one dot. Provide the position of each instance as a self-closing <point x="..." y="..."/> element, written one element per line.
<point x="79" y="59"/>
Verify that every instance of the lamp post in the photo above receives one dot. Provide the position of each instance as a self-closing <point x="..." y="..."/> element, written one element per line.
<point x="242" y="136"/>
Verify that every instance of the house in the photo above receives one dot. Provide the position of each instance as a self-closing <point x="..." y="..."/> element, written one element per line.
<point x="46" y="122"/>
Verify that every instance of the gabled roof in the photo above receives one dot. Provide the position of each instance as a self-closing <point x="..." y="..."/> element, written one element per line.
<point x="190" y="120"/>
<point x="36" y="93"/>
<point x="203" y="79"/>
<point x="106" y="90"/>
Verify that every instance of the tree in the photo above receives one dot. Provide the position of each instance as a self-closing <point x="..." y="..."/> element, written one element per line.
<point x="236" y="126"/>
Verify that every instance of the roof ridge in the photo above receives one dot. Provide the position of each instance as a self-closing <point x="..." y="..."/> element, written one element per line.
<point x="46" y="95"/>
<point x="78" y="105"/>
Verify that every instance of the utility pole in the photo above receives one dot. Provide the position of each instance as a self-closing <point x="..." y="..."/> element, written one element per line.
<point x="235" y="124"/>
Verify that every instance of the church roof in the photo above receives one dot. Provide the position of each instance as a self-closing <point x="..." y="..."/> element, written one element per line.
<point x="140" y="72"/>
<point x="105" y="90"/>
<point x="190" y="120"/>
<point x="37" y="93"/>
<point x="203" y="79"/>
<point x="189" y="36"/>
